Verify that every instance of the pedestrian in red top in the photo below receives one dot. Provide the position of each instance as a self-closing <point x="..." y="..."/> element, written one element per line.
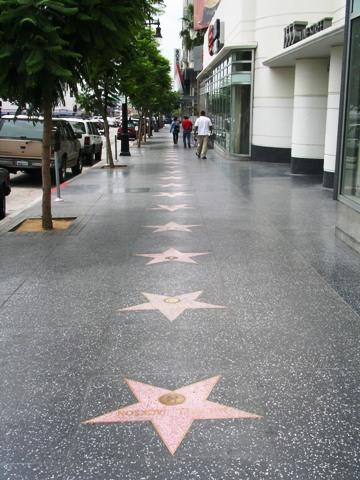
<point x="187" y="126"/>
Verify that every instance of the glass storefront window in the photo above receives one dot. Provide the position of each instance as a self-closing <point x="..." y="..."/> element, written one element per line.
<point x="241" y="67"/>
<point x="226" y="97"/>
<point x="241" y="56"/>
<point x="356" y="7"/>
<point x="351" y="161"/>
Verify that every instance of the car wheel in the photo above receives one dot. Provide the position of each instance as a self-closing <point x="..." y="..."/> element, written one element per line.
<point x="2" y="206"/>
<point x="77" y="169"/>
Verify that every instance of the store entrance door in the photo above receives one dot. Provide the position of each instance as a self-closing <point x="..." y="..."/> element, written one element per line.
<point x="241" y="104"/>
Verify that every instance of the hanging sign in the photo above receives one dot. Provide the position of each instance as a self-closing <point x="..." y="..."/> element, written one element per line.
<point x="216" y="37"/>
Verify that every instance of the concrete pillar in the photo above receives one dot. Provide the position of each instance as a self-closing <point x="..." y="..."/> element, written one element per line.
<point x="309" y="117"/>
<point x="332" y="119"/>
<point x="272" y="114"/>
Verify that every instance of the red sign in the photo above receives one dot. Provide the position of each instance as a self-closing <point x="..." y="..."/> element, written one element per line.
<point x="204" y="11"/>
<point x="211" y="40"/>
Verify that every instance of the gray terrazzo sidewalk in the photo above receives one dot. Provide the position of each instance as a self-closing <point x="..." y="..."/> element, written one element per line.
<point x="127" y="355"/>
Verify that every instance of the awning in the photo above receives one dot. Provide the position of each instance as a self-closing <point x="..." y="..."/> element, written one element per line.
<point x="222" y="54"/>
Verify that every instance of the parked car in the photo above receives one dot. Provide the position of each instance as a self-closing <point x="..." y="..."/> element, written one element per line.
<point x="4" y="190"/>
<point x="131" y="129"/>
<point x="90" y="141"/>
<point x="21" y="145"/>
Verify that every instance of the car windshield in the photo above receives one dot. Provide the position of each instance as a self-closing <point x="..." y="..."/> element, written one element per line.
<point x="79" y="127"/>
<point x="24" y="129"/>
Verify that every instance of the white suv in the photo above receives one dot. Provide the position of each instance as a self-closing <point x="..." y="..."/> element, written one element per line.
<point x="91" y="141"/>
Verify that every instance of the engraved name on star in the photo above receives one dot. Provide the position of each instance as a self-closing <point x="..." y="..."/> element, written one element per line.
<point x="173" y="195"/>
<point x="171" y="255"/>
<point x="171" y="208"/>
<point x="172" y="412"/>
<point x="172" y="227"/>
<point x="171" y="306"/>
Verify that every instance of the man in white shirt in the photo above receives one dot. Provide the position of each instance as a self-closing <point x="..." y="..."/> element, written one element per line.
<point x="203" y="128"/>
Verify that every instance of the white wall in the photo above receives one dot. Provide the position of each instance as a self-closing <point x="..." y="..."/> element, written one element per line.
<point x="310" y="105"/>
<point x="238" y="16"/>
<point x="338" y="11"/>
<point x="333" y="103"/>
<point x="263" y="21"/>
<point x="274" y="88"/>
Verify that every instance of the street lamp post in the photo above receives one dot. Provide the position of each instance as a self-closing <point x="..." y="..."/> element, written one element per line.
<point x="125" y="150"/>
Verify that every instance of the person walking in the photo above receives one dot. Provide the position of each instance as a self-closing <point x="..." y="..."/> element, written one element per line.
<point x="174" y="129"/>
<point x="187" y="129"/>
<point x="187" y="126"/>
<point x="203" y="128"/>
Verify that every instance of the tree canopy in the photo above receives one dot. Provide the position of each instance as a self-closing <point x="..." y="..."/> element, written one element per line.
<point x="47" y="47"/>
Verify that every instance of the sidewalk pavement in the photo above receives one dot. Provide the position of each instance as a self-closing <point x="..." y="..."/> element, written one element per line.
<point x="199" y="320"/>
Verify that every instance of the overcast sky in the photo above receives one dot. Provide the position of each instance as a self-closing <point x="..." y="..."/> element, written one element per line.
<point x="170" y="29"/>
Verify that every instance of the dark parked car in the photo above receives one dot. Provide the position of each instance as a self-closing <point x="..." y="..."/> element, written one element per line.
<point x="131" y="129"/>
<point x="4" y="190"/>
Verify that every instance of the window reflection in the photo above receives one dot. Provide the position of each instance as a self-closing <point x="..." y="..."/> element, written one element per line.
<point x="351" y="164"/>
<point x="356" y="6"/>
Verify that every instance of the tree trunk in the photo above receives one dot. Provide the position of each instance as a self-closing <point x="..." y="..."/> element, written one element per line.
<point x="47" y="223"/>
<point x="139" y="130"/>
<point x="150" y="128"/>
<point x="145" y="128"/>
<point x="108" y="142"/>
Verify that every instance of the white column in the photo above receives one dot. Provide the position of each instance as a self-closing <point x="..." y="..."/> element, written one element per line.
<point x="309" y="120"/>
<point x="332" y="119"/>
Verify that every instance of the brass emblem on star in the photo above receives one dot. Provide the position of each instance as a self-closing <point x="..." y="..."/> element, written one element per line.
<point x="172" y="399"/>
<point x="172" y="300"/>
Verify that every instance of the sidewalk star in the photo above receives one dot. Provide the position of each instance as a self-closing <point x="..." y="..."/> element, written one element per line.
<point x="171" y="208"/>
<point x="171" y="255"/>
<point x="172" y="227"/>
<point x="178" y="185"/>
<point x="171" y="306"/>
<point x="172" y="177"/>
<point x="173" y="195"/>
<point x="172" y="412"/>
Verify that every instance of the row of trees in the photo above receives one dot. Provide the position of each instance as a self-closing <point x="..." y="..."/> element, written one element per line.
<point x="49" y="47"/>
<point x="142" y="74"/>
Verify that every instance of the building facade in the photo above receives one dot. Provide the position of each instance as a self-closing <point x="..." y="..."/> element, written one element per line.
<point x="271" y="80"/>
<point x="281" y="81"/>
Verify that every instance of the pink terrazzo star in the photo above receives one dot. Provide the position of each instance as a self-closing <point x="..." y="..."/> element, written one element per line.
<point x="172" y="227"/>
<point x="171" y="306"/>
<point x="172" y="177"/>
<point x="177" y="185"/>
<point x="173" y="195"/>
<point x="172" y="412"/>
<point x="171" y="208"/>
<point x="171" y="255"/>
